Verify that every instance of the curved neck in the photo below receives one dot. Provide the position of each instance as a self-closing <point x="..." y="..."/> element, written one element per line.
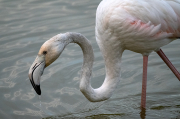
<point x="112" y="71"/>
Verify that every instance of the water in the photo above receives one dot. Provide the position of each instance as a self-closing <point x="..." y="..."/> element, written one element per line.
<point x="26" y="25"/>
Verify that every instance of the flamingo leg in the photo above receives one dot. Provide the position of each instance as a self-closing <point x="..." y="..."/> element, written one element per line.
<point x="168" y="63"/>
<point x="144" y="82"/>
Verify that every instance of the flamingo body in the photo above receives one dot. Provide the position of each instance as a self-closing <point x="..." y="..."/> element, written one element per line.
<point x="141" y="26"/>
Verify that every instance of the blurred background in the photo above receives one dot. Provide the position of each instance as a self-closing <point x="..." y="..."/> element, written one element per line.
<point x="26" y="24"/>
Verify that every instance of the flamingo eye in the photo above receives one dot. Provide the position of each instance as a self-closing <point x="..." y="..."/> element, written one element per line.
<point x="44" y="52"/>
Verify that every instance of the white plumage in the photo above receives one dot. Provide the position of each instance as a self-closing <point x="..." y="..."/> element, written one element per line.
<point x="138" y="25"/>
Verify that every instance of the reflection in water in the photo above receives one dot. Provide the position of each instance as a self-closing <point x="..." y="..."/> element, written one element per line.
<point x="105" y="116"/>
<point x="99" y="116"/>
<point x="29" y="112"/>
<point x="43" y="109"/>
<point x="143" y="113"/>
<point x="16" y="94"/>
<point x="68" y="90"/>
<point x="28" y="96"/>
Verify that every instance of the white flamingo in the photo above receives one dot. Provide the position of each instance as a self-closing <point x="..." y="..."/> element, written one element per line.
<point x="141" y="26"/>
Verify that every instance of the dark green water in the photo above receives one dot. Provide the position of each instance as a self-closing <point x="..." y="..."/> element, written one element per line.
<point x="26" y="24"/>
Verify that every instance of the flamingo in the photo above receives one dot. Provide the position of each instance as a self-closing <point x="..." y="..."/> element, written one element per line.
<point x="141" y="26"/>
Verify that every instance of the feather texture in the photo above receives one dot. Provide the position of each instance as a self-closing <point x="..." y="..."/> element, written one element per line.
<point x="138" y="23"/>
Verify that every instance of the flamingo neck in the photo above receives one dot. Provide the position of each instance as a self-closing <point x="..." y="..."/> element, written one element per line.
<point x="105" y="91"/>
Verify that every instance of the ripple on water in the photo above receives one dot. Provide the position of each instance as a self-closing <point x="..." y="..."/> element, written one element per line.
<point x="25" y="25"/>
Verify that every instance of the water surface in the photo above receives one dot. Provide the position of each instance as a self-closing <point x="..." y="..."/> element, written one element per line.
<point x="26" y="24"/>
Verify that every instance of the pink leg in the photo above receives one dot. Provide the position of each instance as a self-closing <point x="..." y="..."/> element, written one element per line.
<point x="144" y="82"/>
<point x="169" y="64"/>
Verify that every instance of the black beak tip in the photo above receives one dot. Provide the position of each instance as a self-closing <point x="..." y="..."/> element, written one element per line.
<point x="38" y="89"/>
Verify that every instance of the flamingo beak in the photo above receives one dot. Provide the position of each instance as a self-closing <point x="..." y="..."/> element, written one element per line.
<point x="35" y="72"/>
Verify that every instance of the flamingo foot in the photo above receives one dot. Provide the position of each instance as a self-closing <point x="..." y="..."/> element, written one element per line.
<point x="168" y="63"/>
<point x="144" y="82"/>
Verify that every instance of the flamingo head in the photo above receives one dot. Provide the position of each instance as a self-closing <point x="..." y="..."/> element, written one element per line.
<point x="48" y="53"/>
